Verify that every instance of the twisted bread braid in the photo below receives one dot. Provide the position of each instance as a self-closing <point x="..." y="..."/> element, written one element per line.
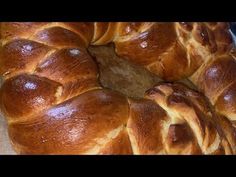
<point x="188" y="47"/>
<point x="202" y="52"/>
<point x="54" y="104"/>
<point x="188" y="111"/>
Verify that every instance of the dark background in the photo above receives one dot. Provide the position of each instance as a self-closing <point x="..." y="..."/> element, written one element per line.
<point x="233" y="27"/>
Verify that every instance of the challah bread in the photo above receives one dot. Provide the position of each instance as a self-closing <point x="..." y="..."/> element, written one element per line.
<point x="216" y="79"/>
<point x="189" y="111"/>
<point x="174" y="50"/>
<point x="54" y="103"/>
<point x="202" y="52"/>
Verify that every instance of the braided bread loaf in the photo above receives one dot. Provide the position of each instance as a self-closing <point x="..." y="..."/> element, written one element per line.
<point x="202" y="52"/>
<point x="54" y="103"/>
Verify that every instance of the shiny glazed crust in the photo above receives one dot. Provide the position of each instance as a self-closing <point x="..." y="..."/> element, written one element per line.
<point x="54" y="103"/>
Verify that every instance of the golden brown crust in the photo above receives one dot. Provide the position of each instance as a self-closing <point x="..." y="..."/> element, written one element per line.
<point x="189" y="112"/>
<point x="49" y="65"/>
<point x="216" y="80"/>
<point x="108" y="33"/>
<point x="216" y="76"/>
<point x="188" y="46"/>
<point x="143" y="48"/>
<point x="23" y="56"/>
<point x="118" y="146"/>
<point x="76" y="126"/>
<point x="73" y="68"/>
<point x="100" y="29"/>
<point x="229" y="131"/>
<point x="226" y="102"/>
<point x="202" y="50"/>
<point x="30" y="94"/>
<point x="144" y="127"/>
<point x="58" y="36"/>
<point x="45" y="31"/>
<point x="60" y="108"/>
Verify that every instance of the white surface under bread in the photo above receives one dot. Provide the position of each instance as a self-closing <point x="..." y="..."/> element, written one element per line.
<point x="5" y="146"/>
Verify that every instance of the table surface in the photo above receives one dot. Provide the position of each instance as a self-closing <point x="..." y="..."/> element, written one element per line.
<point x="5" y="146"/>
